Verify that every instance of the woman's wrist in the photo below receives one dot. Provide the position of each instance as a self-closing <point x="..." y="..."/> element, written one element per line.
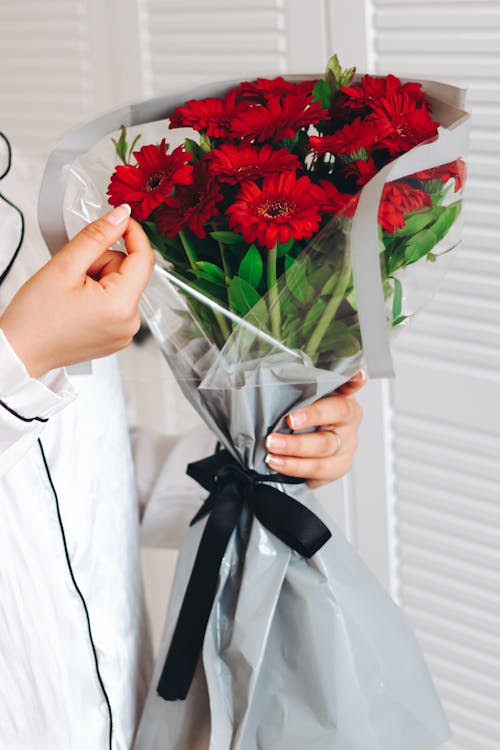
<point x="22" y="349"/>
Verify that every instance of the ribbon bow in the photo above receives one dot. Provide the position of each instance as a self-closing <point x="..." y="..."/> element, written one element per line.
<point x="231" y="487"/>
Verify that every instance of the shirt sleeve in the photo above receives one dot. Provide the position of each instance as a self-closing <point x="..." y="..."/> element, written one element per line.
<point x="26" y="404"/>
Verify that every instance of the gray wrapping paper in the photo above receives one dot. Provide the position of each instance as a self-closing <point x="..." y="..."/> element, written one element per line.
<point x="298" y="653"/>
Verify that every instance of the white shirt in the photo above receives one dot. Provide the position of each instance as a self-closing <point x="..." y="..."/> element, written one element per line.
<point x="75" y="660"/>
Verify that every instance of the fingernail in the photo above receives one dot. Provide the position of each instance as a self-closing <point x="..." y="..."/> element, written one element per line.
<point x="275" y="442"/>
<point x="297" y="419"/>
<point x="118" y="214"/>
<point x="274" y="461"/>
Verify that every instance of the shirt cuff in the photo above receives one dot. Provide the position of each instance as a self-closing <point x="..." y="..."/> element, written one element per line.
<point x="25" y="397"/>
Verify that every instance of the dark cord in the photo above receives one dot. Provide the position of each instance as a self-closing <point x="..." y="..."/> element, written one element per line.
<point x="78" y="591"/>
<point x="3" y="276"/>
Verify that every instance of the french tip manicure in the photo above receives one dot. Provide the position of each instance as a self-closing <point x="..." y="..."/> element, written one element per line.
<point x="297" y="419"/>
<point x="118" y="214"/>
<point x="274" y="461"/>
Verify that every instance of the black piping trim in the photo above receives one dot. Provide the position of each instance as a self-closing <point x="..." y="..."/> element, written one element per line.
<point x="19" y="416"/>
<point x="5" y="273"/>
<point x="78" y="591"/>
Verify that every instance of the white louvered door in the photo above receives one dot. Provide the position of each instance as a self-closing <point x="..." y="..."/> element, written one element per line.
<point x="446" y="397"/>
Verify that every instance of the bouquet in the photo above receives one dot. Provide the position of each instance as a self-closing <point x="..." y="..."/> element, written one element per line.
<point x="256" y="213"/>
<point x="296" y="223"/>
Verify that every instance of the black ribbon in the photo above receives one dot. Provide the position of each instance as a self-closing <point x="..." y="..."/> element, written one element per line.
<point x="231" y="487"/>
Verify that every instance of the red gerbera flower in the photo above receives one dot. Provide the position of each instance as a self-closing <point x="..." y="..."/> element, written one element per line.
<point x="211" y="116"/>
<point x="278" y="118"/>
<point x="371" y="89"/>
<point x="403" y="121"/>
<point x="362" y="171"/>
<point x="359" y="134"/>
<point x="145" y="185"/>
<point x="264" y="88"/>
<point x="283" y="208"/>
<point x="191" y="206"/>
<point x="453" y="170"/>
<point x="399" y="199"/>
<point x="333" y="201"/>
<point x="233" y="164"/>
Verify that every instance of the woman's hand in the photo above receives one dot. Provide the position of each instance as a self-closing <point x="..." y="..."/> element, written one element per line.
<point x="83" y="303"/>
<point x="325" y="455"/>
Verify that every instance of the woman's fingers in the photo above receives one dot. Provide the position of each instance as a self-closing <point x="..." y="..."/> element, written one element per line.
<point x="332" y="410"/>
<point x="316" y="469"/>
<point x="138" y="263"/>
<point x="354" y="384"/>
<point x="109" y="262"/>
<point x="324" y="443"/>
<point x="325" y="453"/>
<point x="86" y="247"/>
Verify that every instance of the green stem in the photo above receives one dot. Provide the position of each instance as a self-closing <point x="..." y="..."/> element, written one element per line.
<point x="188" y="249"/>
<point x="338" y="295"/>
<point x="221" y="320"/>
<point x="224" y="328"/>
<point x="227" y="272"/>
<point x="272" y="285"/>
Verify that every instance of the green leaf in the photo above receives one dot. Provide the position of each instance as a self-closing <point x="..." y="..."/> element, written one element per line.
<point x="424" y="241"/>
<point x="297" y="281"/>
<point x="347" y="76"/>
<point x="133" y="144"/>
<point x="193" y="148"/>
<point x="337" y="78"/>
<point x="121" y="144"/>
<point x="251" y="267"/>
<point x="242" y="296"/>
<point x="399" y="320"/>
<point x="397" y="301"/>
<point x="329" y="286"/>
<point x="313" y="317"/>
<point x="210" y="272"/>
<point x="227" y="238"/>
<point x="205" y="143"/>
<point x="341" y="340"/>
<point x="284" y="249"/>
<point x="433" y="186"/>
<point x="333" y="73"/>
<point x="414" y="222"/>
<point x="321" y="93"/>
<point x="445" y="221"/>
<point x="213" y="291"/>
<point x="419" y="245"/>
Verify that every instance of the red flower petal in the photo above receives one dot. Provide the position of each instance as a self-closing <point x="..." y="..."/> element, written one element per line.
<point x="399" y="199"/>
<point x="403" y="122"/>
<point x="283" y="208"/>
<point x="453" y="170"/>
<point x="192" y="206"/>
<point x="211" y="116"/>
<point x="362" y="171"/>
<point x="145" y="185"/>
<point x="265" y="88"/>
<point x="361" y="133"/>
<point x="236" y="163"/>
<point x="371" y="89"/>
<point x="333" y="201"/>
<point x="277" y="119"/>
